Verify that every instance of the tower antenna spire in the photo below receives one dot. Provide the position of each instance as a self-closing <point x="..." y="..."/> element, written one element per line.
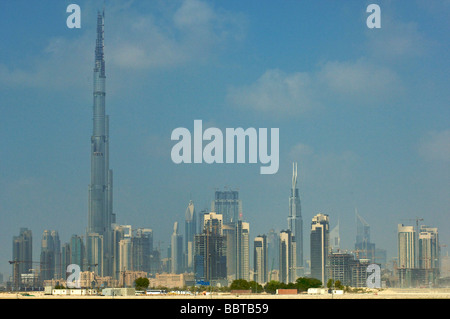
<point x="100" y="215"/>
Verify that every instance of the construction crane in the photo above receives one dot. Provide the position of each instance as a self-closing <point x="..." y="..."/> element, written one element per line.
<point x="417" y="219"/>
<point x="16" y="274"/>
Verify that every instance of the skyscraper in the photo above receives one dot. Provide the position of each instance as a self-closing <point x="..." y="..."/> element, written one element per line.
<point x="77" y="251"/>
<point x="365" y="248"/>
<point x="119" y="232"/>
<point x="142" y="249"/>
<point x="273" y="247"/>
<point x="189" y="234"/>
<point x="210" y="255"/>
<point x="227" y="204"/>
<point x="406" y="247"/>
<point x="237" y="249"/>
<point x="429" y="254"/>
<point x="418" y="255"/>
<point x="407" y="255"/>
<point x="176" y="250"/>
<point x="22" y="255"/>
<point x="287" y="257"/>
<point x="335" y="238"/>
<point x="100" y="216"/>
<point x="125" y="254"/>
<point x="295" y="222"/>
<point x="319" y="247"/>
<point x="242" y="250"/>
<point x="50" y="256"/>
<point x="260" y="259"/>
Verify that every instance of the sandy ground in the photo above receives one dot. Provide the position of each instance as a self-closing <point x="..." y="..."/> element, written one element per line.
<point x="391" y="293"/>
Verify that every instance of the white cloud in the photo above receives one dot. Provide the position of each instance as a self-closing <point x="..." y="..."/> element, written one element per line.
<point x="61" y="64"/>
<point x="283" y="94"/>
<point x="360" y="79"/>
<point x="396" y="40"/>
<point x="277" y="93"/>
<point x="435" y="146"/>
<point x="133" y="41"/>
<point x="189" y="34"/>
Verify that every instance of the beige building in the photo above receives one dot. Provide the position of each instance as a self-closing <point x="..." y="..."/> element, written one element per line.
<point x="127" y="278"/>
<point x="172" y="280"/>
<point x="88" y="279"/>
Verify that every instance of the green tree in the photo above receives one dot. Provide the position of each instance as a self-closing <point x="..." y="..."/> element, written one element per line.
<point x="240" y="284"/>
<point x="255" y="287"/>
<point x="141" y="283"/>
<point x="272" y="286"/>
<point x="304" y="283"/>
<point x="330" y="283"/>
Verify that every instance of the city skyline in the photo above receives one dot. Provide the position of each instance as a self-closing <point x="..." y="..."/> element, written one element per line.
<point x="370" y="158"/>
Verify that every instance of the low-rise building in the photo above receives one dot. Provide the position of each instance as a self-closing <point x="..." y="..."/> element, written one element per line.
<point x="172" y="280"/>
<point x="118" y="292"/>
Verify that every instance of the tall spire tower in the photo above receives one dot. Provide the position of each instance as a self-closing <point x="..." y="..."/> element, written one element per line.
<point x="100" y="216"/>
<point x="295" y="222"/>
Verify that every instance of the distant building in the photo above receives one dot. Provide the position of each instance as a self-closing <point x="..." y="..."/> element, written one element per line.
<point x="50" y="258"/>
<point x="319" y="247"/>
<point x="99" y="239"/>
<point x="237" y="250"/>
<point x="429" y="251"/>
<point x="189" y="234"/>
<point x="94" y="252"/>
<point x="210" y="262"/>
<point x="142" y="249"/>
<point x="128" y="278"/>
<point x="172" y="280"/>
<point x="366" y="249"/>
<point x="350" y="271"/>
<point x="273" y="247"/>
<point x="260" y="259"/>
<point x="126" y="254"/>
<point x="22" y="255"/>
<point x="119" y="233"/>
<point x="227" y="204"/>
<point x="287" y="258"/>
<point x="406" y="247"/>
<point x="295" y="223"/>
<point x="419" y="256"/>
<point x="359" y="272"/>
<point x="341" y="267"/>
<point x="176" y="251"/>
<point x="77" y="251"/>
<point x="335" y="239"/>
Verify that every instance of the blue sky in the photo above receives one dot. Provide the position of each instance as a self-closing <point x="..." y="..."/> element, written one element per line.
<point x="365" y="112"/>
